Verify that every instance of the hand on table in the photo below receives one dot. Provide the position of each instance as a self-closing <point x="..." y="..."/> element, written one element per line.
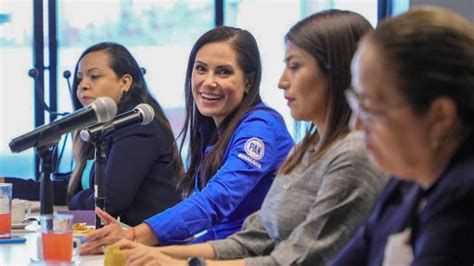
<point x="97" y="240"/>
<point x="139" y="254"/>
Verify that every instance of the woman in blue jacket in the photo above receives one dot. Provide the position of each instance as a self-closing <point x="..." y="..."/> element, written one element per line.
<point x="236" y="145"/>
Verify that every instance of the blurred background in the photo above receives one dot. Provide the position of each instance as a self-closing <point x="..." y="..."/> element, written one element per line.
<point x="41" y="40"/>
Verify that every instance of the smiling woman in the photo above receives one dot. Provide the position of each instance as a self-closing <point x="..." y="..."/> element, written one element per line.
<point x="236" y="144"/>
<point x="218" y="83"/>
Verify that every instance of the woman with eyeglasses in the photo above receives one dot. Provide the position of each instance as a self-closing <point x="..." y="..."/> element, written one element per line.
<point x="413" y="98"/>
<point x="326" y="187"/>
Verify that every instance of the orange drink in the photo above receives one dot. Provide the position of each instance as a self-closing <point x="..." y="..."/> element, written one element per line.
<point x="56" y="238"/>
<point x="5" y="224"/>
<point x="5" y="210"/>
<point x="57" y="246"/>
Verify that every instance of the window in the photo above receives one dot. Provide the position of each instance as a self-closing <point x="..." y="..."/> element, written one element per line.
<point x="159" y="34"/>
<point x="16" y="87"/>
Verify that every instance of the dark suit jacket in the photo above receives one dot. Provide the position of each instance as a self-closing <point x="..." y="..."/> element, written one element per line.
<point x="140" y="180"/>
<point x="442" y="232"/>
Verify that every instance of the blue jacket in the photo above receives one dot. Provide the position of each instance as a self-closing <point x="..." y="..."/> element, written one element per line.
<point x="258" y="146"/>
<point x="442" y="233"/>
<point x="140" y="181"/>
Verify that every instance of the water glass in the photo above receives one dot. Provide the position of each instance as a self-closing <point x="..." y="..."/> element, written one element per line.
<point x="5" y="210"/>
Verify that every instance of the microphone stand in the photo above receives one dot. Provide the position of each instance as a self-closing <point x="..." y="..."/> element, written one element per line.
<point x="46" y="187"/>
<point x="100" y="158"/>
<point x="99" y="179"/>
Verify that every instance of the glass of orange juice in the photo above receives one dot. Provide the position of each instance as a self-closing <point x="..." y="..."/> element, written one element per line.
<point x="56" y="238"/>
<point x="5" y="210"/>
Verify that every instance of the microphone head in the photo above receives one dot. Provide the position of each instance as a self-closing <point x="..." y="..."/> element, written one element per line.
<point x="33" y="73"/>
<point x="105" y="109"/>
<point x="67" y="74"/>
<point x="147" y="113"/>
<point x="85" y="135"/>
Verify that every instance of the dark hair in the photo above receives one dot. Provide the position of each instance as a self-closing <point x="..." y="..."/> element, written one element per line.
<point x="432" y="53"/>
<point x="331" y="37"/>
<point x="248" y="59"/>
<point x="121" y="61"/>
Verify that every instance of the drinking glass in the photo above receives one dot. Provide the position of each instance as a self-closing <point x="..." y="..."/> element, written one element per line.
<point x="5" y="210"/>
<point x="56" y="235"/>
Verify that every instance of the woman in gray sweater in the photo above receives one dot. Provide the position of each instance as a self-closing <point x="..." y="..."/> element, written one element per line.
<point x="326" y="187"/>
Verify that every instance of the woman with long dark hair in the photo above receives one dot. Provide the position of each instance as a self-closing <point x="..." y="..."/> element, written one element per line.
<point x="236" y="144"/>
<point x="142" y="161"/>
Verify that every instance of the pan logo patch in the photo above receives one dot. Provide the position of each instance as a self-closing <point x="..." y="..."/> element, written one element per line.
<point x="255" y="148"/>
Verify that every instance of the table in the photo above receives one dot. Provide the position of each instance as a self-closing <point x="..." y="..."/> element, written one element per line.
<point x="26" y="253"/>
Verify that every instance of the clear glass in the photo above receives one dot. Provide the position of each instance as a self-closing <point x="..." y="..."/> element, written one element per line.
<point x="56" y="238"/>
<point x="5" y="210"/>
<point x="17" y="91"/>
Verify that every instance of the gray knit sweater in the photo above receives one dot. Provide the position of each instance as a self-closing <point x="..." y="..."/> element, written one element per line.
<point x="310" y="213"/>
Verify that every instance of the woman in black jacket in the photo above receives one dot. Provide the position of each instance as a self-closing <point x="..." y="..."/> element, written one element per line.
<point x="143" y="160"/>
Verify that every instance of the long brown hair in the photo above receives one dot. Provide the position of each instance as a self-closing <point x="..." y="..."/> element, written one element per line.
<point x="122" y="62"/>
<point x="331" y="37"/>
<point x="248" y="59"/>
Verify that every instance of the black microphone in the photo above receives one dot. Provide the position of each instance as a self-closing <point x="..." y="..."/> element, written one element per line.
<point x="103" y="109"/>
<point x="142" y="114"/>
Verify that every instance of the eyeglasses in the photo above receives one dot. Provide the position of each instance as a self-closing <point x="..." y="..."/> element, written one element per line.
<point x="358" y="104"/>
